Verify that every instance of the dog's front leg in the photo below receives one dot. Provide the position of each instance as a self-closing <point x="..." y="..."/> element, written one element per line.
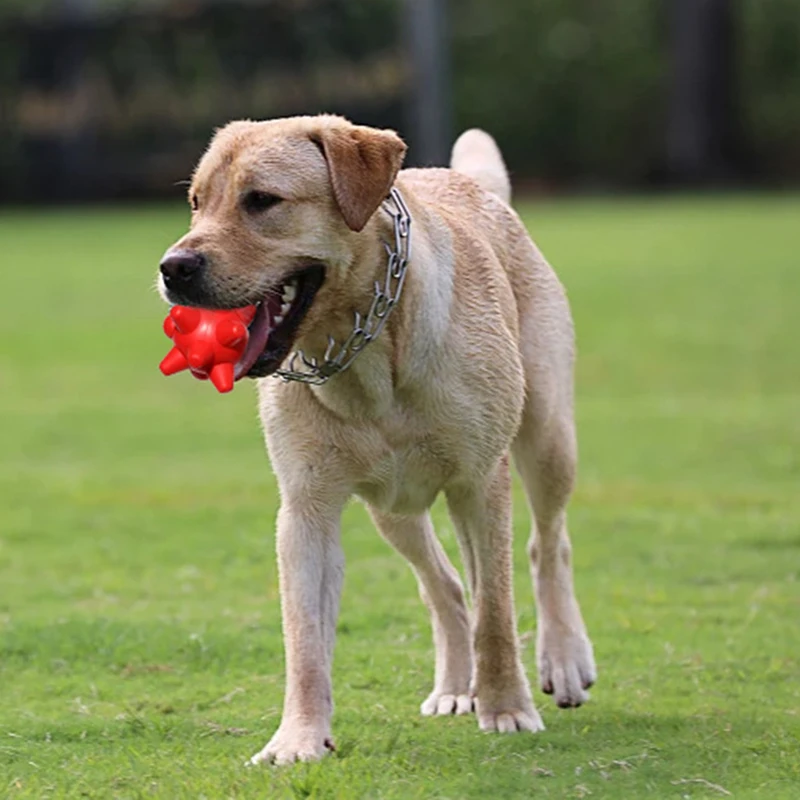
<point x="311" y="567"/>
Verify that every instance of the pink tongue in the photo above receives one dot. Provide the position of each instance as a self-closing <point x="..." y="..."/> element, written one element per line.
<point x="259" y="333"/>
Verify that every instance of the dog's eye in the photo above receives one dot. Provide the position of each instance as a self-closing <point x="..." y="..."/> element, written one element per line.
<point x="255" y="202"/>
<point x="193" y="202"/>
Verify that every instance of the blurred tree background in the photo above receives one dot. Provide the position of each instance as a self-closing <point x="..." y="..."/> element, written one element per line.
<point x="116" y="98"/>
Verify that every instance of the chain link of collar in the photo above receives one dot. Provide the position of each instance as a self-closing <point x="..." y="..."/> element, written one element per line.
<point x="338" y="358"/>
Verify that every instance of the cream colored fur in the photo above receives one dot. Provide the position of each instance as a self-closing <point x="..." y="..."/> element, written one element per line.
<point x="474" y="369"/>
<point x="476" y="154"/>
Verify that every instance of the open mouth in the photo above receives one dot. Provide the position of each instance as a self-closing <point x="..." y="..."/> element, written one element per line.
<point x="274" y="326"/>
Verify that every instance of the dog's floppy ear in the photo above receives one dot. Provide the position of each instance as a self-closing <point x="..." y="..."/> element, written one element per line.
<point x="362" y="163"/>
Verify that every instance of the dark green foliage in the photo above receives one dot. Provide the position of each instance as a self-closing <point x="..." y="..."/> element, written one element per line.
<point x="576" y="91"/>
<point x="571" y="88"/>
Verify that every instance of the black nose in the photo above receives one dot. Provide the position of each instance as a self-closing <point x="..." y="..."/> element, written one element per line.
<point x="181" y="266"/>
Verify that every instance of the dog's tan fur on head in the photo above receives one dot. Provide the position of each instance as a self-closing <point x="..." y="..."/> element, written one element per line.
<point x="473" y="369"/>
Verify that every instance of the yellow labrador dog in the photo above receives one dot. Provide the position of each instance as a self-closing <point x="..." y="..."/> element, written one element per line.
<point x="415" y="340"/>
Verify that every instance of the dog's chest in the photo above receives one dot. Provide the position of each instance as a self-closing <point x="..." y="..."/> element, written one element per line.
<point x="409" y="465"/>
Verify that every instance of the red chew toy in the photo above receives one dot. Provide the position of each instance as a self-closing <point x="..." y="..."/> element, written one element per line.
<point x="209" y="343"/>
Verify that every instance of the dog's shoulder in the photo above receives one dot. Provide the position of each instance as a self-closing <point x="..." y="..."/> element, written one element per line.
<point x="475" y="217"/>
<point x="460" y="198"/>
<point x="445" y="187"/>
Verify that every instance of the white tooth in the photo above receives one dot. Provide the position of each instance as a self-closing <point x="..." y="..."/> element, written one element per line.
<point x="277" y="320"/>
<point x="289" y="292"/>
<point x="285" y="308"/>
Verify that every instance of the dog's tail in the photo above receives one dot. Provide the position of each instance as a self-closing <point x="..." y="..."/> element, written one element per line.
<point x="476" y="154"/>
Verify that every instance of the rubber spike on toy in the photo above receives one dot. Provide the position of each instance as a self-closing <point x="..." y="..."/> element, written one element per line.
<point x="200" y="356"/>
<point x="231" y="333"/>
<point x="222" y="377"/>
<point x="169" y="327"/>
<point x="186" y="319"/>
<point x="173" y="362"/>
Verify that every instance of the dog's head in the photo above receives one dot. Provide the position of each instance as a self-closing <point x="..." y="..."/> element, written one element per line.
<point x="275" y="209"/>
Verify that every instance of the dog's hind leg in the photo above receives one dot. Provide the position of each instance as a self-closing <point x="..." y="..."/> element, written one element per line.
<point x="440" y="588"/>
<point x="481" y="512"/>
<point x="545" y="455"/>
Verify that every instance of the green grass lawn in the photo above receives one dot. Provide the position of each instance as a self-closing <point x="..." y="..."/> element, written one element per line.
<point x="140" y="645"/>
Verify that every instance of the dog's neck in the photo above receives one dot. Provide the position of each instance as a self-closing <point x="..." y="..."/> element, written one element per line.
<point x="375" y="288"/>
<point x="365" y="387"/>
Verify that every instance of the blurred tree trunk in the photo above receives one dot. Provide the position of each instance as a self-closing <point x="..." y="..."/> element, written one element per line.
<point x="76" y="148"/>
<point x="430" y="104"/>
<point x="704" y="139"/>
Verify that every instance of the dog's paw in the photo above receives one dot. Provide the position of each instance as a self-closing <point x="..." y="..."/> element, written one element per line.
<point x="444" y="703"/>
<point x="566" y="665"/>
<point x="507" y="707"/>
<point x="512" y="718"/>
<point x="290" y="745"/>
